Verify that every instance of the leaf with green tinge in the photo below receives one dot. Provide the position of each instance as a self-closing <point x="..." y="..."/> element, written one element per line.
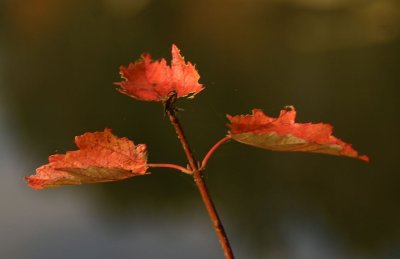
<point x="150" y="80"/>
<point x="284" y="134"/>
<point x="102" y="157"/>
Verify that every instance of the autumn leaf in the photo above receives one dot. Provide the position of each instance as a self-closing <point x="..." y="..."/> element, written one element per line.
<point x="284" y="134"/>
<point x="102" y="157"/>
<point x="149" y="80"/>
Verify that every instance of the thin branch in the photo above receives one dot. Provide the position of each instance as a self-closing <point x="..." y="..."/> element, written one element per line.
<point x="173" y="166"/>
<point x="181" y="135"/>
<point x="212" y="150"/>
<point x="201" y="186"/>
<point x="212" y="212"/>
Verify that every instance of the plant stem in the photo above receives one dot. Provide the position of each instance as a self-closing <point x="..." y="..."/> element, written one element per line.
<point x="212" y="150"/>
<point x="201" y="185"/>
<point x="173" y="166"/>
<point x="212" y="212"/>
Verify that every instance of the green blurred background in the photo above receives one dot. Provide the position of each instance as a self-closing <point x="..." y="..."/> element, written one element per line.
<point x="336" y="61"/>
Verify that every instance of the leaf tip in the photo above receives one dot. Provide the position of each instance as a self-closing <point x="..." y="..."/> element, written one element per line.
<point x="175" y="49"/>
<point x="34" y="183"/>
<point x="364" y="158"/>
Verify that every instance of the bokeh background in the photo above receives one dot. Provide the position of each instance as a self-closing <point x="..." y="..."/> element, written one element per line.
<point x="336" y="61"/>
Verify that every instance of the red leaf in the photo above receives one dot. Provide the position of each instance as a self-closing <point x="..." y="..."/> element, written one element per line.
<point x="284" y="134"/>
<point x="102" y="157"/>
<point x="149" y="80"/>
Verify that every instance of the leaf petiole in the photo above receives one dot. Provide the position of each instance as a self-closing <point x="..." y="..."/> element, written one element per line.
<point x="212" y="150"/>
<point x="173" y="166"/>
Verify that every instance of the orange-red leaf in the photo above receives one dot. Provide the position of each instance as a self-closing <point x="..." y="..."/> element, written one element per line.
<point x="149" y="80"/>
<point x="284" y="134"/>
<point x="102" y="157"/>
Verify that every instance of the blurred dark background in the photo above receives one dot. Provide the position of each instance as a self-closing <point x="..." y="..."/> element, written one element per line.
<point x="336" y="61"/>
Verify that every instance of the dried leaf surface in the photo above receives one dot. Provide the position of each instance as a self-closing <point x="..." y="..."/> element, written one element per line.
<point x="284" y="134"/>
<point x="102" y="157"/>
<point x="150" y="80"/>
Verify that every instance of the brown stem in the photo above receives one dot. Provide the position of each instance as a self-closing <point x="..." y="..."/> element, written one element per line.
<point x="212" y="212"/>
<point x="212" y="150"/>
<point x="201" y="185"/>
<point x="179" y="131"/>
<point x="173" y="166"/>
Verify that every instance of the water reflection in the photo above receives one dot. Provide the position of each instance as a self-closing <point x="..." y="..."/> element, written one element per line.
<point x="336" y="61"/>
